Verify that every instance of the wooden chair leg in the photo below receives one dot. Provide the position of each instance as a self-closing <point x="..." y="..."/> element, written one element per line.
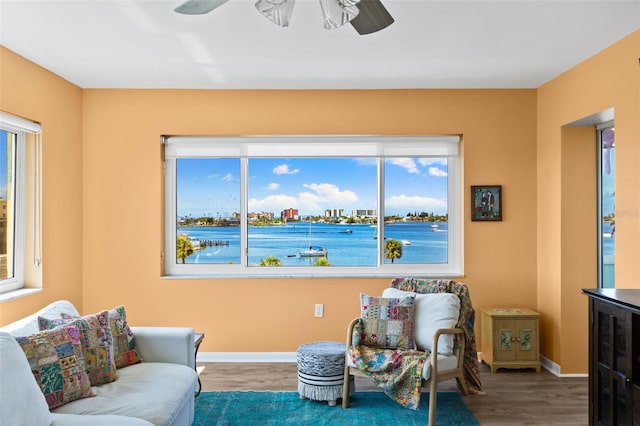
<point x="345" y="388"/>
<point x="433" y="399"/>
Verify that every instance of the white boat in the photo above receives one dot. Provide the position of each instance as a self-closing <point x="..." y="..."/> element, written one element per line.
<point x="406" y="242"/>
<point x="345" y="231"/>
<point x="314" y="252"/>
<point x="435" y="227"/>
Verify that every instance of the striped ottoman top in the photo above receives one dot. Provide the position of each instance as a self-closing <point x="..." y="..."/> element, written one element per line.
<point x="321" y="363"/>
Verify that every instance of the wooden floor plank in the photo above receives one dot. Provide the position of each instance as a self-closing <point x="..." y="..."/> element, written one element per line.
<point x="514" y="397"/>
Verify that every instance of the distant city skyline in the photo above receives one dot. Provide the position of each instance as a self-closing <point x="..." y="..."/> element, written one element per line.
<point x="311" y="185"/>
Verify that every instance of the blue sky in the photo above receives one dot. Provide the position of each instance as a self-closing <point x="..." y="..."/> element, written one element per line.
<point x="212" y="186"/>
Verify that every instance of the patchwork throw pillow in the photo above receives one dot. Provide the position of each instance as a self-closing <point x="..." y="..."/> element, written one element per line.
<point x="433" y="312"/>
<point x="57" y="363"/>
<point x="124" y="342"/>
<point x="96" y="343"/>
<point x="388" y="322"/>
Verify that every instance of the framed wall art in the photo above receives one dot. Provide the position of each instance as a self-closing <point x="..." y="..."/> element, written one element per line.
<point x="486" y="202"/>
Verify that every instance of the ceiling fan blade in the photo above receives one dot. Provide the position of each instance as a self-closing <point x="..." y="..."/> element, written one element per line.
<point x="373" y="17"/>
<point x="198" y="7"/>
<point x="336" y="13"/>
<point x="277" y="11"/>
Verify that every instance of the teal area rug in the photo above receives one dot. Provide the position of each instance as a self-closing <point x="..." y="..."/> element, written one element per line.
<point x="286" y="408"/>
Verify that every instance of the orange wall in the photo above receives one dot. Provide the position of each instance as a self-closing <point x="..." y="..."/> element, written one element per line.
<point x="123" y="199"/>
<point x="32" y="92"/>
<point x="103" y="196"/>
<point x="566" y="197"/>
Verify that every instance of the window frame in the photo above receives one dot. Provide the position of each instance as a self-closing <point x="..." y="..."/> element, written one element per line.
<point x="380" y="147"/>
<point x="600" y="128"/>
<point x="19" y="164"/>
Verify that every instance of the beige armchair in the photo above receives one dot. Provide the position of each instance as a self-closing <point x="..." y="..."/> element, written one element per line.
<point x="445" y="359"/>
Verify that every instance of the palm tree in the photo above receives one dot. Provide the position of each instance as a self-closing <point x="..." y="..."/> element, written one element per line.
<point x="392" y="249"/>
<point x="183" y="247"/>
<point x="323" y="261"/>
<point x="270" y="261"/>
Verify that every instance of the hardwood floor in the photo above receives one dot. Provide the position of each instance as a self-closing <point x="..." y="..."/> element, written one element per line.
<point x="514" y="397"/>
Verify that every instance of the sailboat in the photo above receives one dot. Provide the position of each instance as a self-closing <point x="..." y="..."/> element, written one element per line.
<point x="313" y="251"/>
<point x="434" y="225"/>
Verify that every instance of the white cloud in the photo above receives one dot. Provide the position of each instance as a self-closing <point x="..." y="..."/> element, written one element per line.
<point x="226" y="178"/>
<point x="274" y="203"/>
<point x="319" y="197"/>
<point x="283" y="169"/>
<point x="331" y="193"/>
<point x="427" y="161"/>
<point x="434" y="171"/>
<point x="407" y="163"/>
<point x="273" y="186"/>
<point x="413" y="203"/>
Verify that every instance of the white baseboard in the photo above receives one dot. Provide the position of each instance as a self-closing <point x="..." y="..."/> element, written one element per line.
<point x="554" y="368"/>
<point x="247" y="357"/>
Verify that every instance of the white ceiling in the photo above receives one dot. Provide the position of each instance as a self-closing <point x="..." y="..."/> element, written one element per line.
<point x="432" y="44"/>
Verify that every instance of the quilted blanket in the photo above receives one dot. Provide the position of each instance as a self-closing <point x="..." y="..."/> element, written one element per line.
<point x="397" y="372"/>
<point x="466" y="321"/>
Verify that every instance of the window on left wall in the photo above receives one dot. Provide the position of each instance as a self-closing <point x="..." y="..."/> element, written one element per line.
<point x="14" y="135"/>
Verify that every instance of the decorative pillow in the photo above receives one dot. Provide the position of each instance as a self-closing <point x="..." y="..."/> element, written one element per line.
<point x="388" y="322"/>
<point x="433" y="311"/>
<point x="57" y="363"/>
<point x="124" y="342"/>
<point x="96" y="342"/>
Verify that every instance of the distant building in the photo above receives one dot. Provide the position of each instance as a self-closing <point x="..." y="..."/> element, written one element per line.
<point x="334" y="213"/>
<point x="363" y="213"/>
<point x="290" y="214"/>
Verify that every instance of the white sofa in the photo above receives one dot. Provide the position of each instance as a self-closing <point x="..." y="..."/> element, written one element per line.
<point x="158" y="391"/>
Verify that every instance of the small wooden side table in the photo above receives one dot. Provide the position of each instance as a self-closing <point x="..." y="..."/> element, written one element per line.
<point x="510" y="338"/>
<point x="197" y="339"/>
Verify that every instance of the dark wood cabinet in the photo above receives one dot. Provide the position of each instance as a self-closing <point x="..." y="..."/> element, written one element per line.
<point x="614" y="356"/>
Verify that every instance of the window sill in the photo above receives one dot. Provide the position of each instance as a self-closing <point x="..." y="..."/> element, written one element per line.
<point x="15" y="294"/>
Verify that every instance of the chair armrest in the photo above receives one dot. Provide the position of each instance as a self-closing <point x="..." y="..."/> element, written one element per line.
<point x="458" y="350"/>
<point x="166" y="344"/>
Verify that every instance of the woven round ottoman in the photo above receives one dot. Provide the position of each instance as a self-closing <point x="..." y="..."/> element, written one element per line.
<point x="321" y="371"/>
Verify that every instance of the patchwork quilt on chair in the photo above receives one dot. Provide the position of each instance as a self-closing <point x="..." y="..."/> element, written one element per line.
<point x="466" y="321"/>
<point x="398" y="372"/>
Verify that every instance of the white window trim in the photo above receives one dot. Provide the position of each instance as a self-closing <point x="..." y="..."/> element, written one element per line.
<point x="20" y="127"/>
<point x="315" y="146"/>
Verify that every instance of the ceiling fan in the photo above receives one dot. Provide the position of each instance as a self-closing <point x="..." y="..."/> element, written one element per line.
<point x="366" y="16"/>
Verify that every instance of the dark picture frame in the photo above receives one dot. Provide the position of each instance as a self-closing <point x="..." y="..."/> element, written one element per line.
<point x="486" y="202"/>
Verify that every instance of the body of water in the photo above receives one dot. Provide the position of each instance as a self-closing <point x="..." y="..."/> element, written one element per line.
<point x="355" y="248"/>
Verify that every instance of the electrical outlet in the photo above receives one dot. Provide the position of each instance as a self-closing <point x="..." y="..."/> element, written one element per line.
<point x="319" y="310"/>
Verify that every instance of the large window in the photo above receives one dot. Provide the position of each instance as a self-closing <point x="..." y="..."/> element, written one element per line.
<point x="312" y="206"/>
<point x="13" y="165"/>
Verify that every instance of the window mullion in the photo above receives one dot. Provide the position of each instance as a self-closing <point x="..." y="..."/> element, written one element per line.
<point x="244" y="212"/>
